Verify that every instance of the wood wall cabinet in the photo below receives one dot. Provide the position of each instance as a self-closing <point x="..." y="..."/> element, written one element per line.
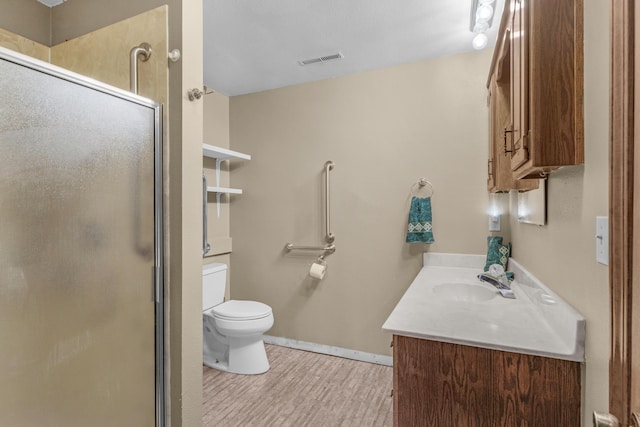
<point x="442" y="384"/>
<point x="500" y="176"/>
<point x="538" y="61"/>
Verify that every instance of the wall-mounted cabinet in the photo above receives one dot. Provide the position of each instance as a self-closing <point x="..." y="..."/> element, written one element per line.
<point x="536" y="92"/>
<point x="500" y="176"/>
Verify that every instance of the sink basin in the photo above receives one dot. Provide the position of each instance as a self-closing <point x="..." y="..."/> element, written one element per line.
<point x="464" y="292"/>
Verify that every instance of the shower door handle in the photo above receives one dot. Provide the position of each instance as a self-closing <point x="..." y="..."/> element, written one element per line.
<point x="206" y="247"/>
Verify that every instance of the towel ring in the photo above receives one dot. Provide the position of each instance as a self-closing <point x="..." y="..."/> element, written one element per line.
<point x="421" y="183"/>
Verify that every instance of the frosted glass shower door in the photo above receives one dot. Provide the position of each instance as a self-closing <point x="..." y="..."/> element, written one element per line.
<point x="80" y="251"/>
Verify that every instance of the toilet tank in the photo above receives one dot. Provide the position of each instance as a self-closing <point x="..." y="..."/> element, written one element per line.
<point x="214" y="280"/>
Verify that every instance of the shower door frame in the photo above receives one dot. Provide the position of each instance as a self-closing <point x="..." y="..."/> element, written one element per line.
<point x="158" y="273"/>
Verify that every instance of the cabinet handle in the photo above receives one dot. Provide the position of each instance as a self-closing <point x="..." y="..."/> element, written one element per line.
<point x="489" y="167"/>
<point x="505" y="141"/>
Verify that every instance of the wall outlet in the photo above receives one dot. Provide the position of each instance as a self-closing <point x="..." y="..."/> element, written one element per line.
<point x="494" y="222"/>
<point x="602" y="239"/>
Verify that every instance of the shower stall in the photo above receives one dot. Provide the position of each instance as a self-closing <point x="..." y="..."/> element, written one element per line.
<point x="81" y="286"/>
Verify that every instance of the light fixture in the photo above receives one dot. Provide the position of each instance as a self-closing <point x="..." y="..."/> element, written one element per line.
<point x="481" y="20"/>
<point x="484" y="13"/>
<point x="494" y="212"/>
<point x="480" y="27"/>
<point x="479" y="41"/>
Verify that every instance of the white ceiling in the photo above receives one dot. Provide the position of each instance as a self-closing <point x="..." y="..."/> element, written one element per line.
<point x="255" y="45"/>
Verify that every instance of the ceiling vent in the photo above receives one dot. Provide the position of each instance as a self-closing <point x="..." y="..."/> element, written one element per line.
<point x="321" y="59"/>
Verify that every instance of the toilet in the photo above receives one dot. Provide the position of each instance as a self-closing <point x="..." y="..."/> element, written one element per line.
<point x="232" y="330"/>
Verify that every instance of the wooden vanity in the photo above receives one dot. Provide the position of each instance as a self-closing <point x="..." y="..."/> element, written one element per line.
<point x="464" y="356"/>
<point x="442" y="384"/>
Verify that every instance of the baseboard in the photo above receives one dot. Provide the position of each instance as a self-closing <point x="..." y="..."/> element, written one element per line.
<point x="362" y="356"/>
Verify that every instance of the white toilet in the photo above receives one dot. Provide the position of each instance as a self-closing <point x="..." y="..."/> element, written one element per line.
<point x="232" y="330"/>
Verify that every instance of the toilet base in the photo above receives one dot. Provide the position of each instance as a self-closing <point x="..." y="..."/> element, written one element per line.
<point x="246" y="356"/>
<point x="214" y="363"/>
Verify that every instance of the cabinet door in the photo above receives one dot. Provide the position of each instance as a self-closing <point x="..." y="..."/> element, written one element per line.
<point x="499" y="167"/>
<point x="491" y="162"/>
<point x="519" y="83"/>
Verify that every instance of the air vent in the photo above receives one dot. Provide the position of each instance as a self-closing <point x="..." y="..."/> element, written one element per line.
<point x="321" y="59"/>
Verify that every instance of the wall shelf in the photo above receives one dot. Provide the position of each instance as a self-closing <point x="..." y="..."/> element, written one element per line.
<point x="224" y="190"/>
<point x="222" y="154"/>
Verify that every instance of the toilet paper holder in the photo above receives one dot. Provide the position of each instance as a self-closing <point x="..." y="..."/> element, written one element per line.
<point x="319" y="268"/>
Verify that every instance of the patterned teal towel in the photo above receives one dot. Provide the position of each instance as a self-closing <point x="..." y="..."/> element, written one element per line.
<point x="420" y="229"/>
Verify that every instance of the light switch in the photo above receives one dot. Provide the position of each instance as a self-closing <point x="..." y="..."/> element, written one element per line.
<point x="602" y="239"/>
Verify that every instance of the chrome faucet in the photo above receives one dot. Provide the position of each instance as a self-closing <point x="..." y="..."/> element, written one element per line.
<point x="498" y="278"/>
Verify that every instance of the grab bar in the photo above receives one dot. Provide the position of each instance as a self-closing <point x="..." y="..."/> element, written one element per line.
<point x="327" y="248"/>
<point x="144" y="52"/>
<point x="206" y="247"/>
<point x="330" y="237"/>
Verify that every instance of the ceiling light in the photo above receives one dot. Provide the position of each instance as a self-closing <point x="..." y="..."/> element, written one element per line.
<point x="481" y="20"/>
<point x="480" y="27"/>
<point x="484" y="13"/>
<point x="480" y="41"/>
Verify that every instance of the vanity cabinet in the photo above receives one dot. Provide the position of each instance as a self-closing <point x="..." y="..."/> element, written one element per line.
<point x="538" y="65"/>
<point x="442" y="384"/>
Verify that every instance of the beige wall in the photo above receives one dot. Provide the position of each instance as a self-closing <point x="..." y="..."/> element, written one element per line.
<point x="384" y="130"/>
<point x="191" y="218"/>
<point x="562" y="253"/>
<point x="24" y="45"/>
<point x="104" y="54"/>
<point x="75" y="18"/>
<point x="30" y="19"/>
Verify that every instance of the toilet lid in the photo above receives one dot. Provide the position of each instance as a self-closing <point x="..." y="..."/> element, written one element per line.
<point x="241" y="310"/>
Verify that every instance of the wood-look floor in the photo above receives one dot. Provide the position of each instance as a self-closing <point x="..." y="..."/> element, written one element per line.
<point x="300" y="389"/>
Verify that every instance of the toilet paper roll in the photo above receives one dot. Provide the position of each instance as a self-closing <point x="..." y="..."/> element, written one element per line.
<point x="317" y="270"/>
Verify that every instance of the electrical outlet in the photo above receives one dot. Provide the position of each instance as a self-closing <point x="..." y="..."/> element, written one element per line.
<point x="494" y="222"/>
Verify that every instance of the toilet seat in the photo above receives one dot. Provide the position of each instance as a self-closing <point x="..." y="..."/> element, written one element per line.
<point x="241" y="310"/>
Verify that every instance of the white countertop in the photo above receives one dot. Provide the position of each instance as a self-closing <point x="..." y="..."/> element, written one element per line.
<point x="537" y="322"/>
